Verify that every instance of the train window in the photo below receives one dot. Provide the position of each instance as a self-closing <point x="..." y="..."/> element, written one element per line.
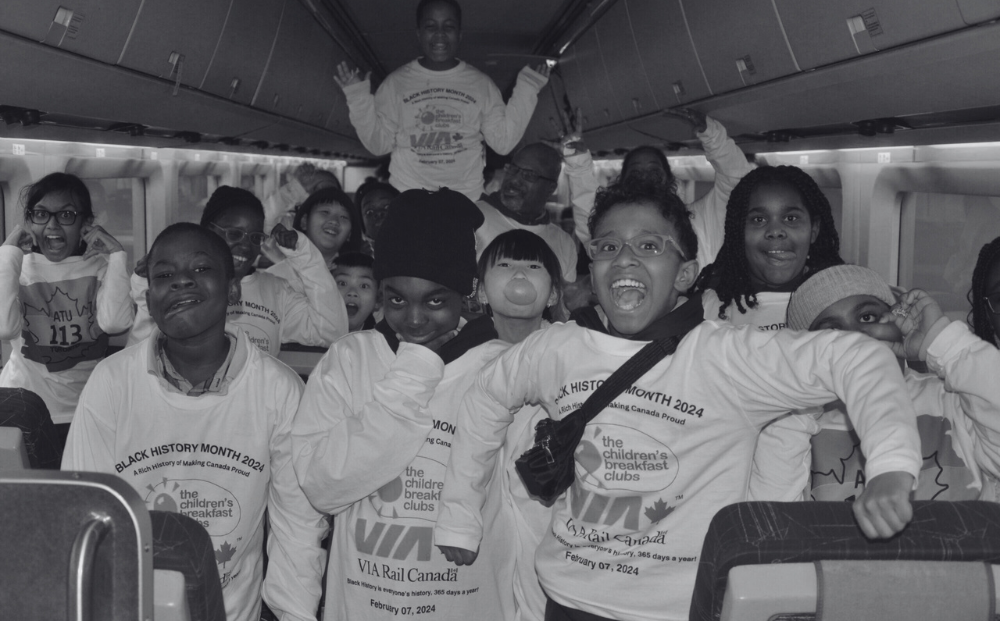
<point x="192" y="195"/>
<point x="116" y="202"/>
<point x="939" y="240"/>
<point x="836" y="198"/>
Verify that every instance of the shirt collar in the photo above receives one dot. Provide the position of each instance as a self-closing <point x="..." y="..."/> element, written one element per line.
<point x="159" y="365"/>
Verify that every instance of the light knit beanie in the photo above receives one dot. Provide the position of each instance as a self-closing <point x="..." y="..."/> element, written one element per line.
<point x="832" y="285"/>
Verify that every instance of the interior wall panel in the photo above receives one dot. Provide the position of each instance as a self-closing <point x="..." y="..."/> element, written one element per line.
<point x="570" y="74"/>
<point x="243" y="49"/>
<point x="603" y="100"/>
<point x="627" y="74"/>
<point x="725" y="31"/>
<point x="97" y="28"/>
<point x="819" y="33"/>
<point x="667" y="55"/>
<point x="191" y="28"/>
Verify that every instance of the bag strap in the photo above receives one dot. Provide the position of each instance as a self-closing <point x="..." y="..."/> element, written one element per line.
<point x="634" y="368"/>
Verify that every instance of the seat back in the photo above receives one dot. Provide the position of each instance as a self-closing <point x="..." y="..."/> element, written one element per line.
<point x="77" y="545"/>
<point x="24" y="410"/>
<point x="13" y="455"/>
<point x="754" y="533"/>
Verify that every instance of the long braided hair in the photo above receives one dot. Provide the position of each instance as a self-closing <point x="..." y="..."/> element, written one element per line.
<point x="729" y="275"/>
<point x="979" y="316"/>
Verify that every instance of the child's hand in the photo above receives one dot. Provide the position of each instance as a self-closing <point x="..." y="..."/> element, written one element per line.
<point x="572" y="143"/>
<point x="914" y="314"/>
<point x="142" y="266"/>
<point x="543" y="69"/>
<point x="459" y="556"/>
<point x="284" y="237"/>
<point x="347" y="76"/>
<point x="692" y="117"/>
<point x="884" y="508"/>
<point x="21" y="238"/>
<point x="99" y="241"/>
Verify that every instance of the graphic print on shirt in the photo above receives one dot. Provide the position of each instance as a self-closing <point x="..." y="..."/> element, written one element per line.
<point x="60" y="323"/>
<point x="244" y="313"/>
<point x="434" y="131"/>
<point x="838" y="467"/>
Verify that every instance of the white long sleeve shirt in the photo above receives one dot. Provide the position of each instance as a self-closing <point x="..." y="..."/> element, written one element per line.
<point x="958" y="417"/>
<point x="371" y="442"/>
<point x="221" y="459"/>
<point x="434" y="123"/>
<point x="272" y="310"/>
<point x="656" y="465"/>
<point x="709" y="211"/>
<point x="57" y="317"/>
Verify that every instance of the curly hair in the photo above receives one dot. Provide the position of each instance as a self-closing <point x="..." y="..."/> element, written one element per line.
<point x="666" y="202"/>
<point x="979" y="316"/>
<point x="729" y="275"/>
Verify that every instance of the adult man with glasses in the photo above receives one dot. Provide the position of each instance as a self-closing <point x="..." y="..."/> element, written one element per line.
<point x="529" y="180"/>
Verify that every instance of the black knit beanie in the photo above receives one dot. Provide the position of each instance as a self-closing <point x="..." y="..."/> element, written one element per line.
<point x="430" y="235"/>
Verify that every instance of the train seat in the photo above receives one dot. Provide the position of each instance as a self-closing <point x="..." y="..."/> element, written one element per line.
<point x="782" y="561"/>
<point x="24" y="410"/>
<point x="82" y="545"/>
<point x="13" y="454"/>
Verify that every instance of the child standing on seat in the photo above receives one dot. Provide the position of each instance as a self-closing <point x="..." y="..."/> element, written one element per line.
<point x="957" y="403"/>
<point x="199" y="422"/>
<point x="62" y="299"/>
<point x="670" y="451"/>
<point x="434" y="113"/>
<point x="305" y="308"/>
<point x="378" y="419"/>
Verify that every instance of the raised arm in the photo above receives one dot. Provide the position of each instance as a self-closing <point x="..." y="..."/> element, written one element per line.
<point x="504" y="125"/>
<point x="115" y="313"/>
<point x="374" y="117"/>
<point x="143" y="325"/>
<point x="11" y="258"/>
<point x="344" y="452"/>
<point x="317" y="316"/>
<point x="292" y="585"/>
<point x="502" y="387"/>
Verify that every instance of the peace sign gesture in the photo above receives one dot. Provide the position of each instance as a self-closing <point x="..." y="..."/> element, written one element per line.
<point x="571" y="143"/>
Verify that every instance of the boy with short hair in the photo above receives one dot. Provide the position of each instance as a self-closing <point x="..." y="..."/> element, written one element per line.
<point x="957" y="403"/>
<point x="198" y="421"/>
<point x="434" y="113"/>
<point x="359" y="289"/>
<point x="655" y="466"/>
<point x="376" y="423"/>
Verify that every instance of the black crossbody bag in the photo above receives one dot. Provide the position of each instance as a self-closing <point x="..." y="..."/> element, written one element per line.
<point x="547" y="468"/>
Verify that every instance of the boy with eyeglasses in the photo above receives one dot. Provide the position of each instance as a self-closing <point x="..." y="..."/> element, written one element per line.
<point x="271" y="310"/>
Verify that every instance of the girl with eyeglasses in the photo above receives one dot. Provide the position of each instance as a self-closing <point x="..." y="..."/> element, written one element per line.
<point x="984" y="318"/>
<point x="65" y="289"/>
<point x="298" y="302"/>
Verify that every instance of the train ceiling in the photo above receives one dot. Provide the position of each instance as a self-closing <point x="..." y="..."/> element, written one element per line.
<point x="258" y="74"/>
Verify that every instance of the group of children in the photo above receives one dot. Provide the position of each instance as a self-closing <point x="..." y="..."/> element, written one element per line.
<point x="789" y="380"/>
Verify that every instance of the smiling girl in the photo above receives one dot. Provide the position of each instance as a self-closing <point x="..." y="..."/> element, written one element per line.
<point x="779" y="229"/>
<point x="63" y="297"/>
<point x="327" y="219"/>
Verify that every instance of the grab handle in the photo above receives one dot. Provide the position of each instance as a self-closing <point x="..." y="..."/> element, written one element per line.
<point x="81" y="564"/>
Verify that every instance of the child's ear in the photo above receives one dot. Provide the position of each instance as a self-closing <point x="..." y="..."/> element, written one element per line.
<point x="235" y="292"/>
<point x="553" y="297"/>
<point x="481" y="295"/>
<point x="686" y="275"/>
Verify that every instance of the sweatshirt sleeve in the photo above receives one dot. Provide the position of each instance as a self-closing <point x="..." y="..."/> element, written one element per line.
<point x="582" y="191"/>
<point x="292" y="585"/>
<point x="789" y="370"/>
<point x="967" y="364"/>
<point x="143" y="325"/>
<point x="709" y="211"/>
<point x="317" y="316"/>
<point x="282" y="201"/>
<point x="488" y="408"/>
<point x="115" y="313"/>
<point x="11" y="258"/>
<point x="373" y="117"/>
<point x="783" y="459"/>
<point x="343" y="455"/>
<point x="504" y="125"/>
<point x="90" y="445"/>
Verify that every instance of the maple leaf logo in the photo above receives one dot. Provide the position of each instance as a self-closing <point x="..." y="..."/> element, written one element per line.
<point x="224" y="554"/>
<point x="658" y="511"/>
